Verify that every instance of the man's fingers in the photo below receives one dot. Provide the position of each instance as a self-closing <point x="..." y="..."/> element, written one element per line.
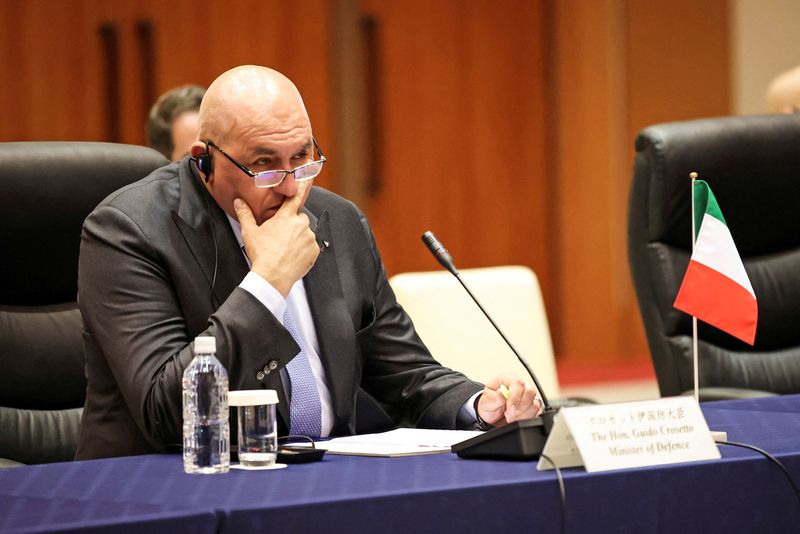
<point x="509" y="394"/>
<point x="492" y="400"/>
<point x="243" y="213"/>
<point x="515" y="390"/>
<point x="491" y="406"/>
<point x="514" y="385"/>
<point x="292" y="205"/>
<point x="525" y="407"/>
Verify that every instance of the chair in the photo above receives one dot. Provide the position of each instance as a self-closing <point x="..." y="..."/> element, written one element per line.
<point x="46" y="191"/>
<point x="752" y="164"/>
<point x="460" y="337"/>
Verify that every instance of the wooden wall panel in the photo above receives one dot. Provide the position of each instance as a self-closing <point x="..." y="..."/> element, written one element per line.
<point x="55" y="85"/>
<point x="619" y="66"/>
<point x="504" y="126"/>
<point x="197" y="43"/>
<point x="589" y="75"/>
<point x="679" y="62"/>
<point x="463" y="135"/>
<point x="51" y="71"/>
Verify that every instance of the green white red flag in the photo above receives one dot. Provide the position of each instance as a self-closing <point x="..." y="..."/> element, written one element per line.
<point x="716" y="288"/>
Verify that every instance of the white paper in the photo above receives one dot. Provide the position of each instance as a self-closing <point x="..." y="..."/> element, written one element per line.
<point x="398" y="442"/>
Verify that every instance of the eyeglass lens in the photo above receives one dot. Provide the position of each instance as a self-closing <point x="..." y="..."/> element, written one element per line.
<point x="302" y="173"/>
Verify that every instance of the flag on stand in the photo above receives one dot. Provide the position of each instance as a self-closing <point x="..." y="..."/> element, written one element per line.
<point x="716" y="288"/>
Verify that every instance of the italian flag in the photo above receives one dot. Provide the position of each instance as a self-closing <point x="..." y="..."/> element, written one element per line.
<point x="715" y="288"/>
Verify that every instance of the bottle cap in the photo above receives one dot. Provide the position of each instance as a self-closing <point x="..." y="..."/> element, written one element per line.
<point x="205" y="345"/>
<point x="252" y="397"/>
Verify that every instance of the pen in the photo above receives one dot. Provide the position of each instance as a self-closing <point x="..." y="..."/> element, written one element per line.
<point x="503" y="390"/>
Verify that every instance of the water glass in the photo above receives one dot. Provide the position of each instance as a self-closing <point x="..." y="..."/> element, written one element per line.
<point x="258" y="426"/>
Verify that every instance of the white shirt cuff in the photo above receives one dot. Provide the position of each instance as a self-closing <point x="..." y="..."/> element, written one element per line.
<point x="265" y="294"/>
<point x="467" y="415"/>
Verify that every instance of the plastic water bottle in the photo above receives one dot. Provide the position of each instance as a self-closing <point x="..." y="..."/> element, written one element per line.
<point x="206" y="430"/>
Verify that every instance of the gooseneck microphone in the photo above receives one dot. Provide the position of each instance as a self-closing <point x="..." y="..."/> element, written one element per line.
<point x="521" y="440"/>
<point x="441" y="254"/>
<point x="443" y="257"/>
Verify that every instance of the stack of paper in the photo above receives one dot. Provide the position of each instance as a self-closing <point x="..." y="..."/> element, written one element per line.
<point x="399" y="442"/>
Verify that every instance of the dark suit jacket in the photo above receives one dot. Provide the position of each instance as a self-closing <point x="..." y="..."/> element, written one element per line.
<point x="159" y="265"/>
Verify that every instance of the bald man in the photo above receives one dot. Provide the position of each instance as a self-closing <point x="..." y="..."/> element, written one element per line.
<point x="234" y="242"/>
<point x="783" y="94"/>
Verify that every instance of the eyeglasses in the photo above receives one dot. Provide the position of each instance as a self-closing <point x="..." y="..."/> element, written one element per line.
<point x="273" y="178"/>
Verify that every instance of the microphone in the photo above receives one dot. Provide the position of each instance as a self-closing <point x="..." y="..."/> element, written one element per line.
<point x="441" y="254"/>
<point x="520" y="440"/>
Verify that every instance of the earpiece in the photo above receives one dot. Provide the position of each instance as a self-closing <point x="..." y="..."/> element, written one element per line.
<point x="203" y="162"/>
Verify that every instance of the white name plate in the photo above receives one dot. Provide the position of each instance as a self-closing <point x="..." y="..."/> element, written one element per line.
<point x="630" y="434"/>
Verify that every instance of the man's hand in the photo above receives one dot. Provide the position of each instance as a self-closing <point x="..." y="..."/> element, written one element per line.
<point x="522" y="402"/>
<point x="283" y="248"/>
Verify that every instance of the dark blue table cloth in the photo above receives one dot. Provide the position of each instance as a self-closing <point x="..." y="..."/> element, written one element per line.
<point x="743" y="492"/>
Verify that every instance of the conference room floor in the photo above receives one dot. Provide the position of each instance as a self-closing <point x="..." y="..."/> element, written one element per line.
<point x="618" y="382"/>
<point x="607" y="392"/>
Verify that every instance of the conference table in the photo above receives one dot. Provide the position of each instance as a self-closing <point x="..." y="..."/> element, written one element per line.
<point x="742" y="492"/>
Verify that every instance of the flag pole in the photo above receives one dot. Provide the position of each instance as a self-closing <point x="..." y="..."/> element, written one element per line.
<point x="693" y="176"/>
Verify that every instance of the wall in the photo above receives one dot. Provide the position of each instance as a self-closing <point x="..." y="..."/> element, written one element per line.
<point x="506" y="126"/>
<point x="618" y="67"/>
<point x="765" y="41"/>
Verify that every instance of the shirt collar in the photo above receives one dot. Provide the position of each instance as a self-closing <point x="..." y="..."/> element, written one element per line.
<point x="237" y="229"/>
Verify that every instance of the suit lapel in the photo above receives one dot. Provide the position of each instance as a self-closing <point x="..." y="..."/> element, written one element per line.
<point x="333" y="324"/>
<point x="205" y="229"/>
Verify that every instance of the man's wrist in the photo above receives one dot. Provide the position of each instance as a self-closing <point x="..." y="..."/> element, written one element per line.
<point x="480" y="424"/>
<point x="266" y="294"/>
<point x="281" y="286"/>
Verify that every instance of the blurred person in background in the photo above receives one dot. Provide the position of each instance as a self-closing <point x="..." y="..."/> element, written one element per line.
<point x="172" y="124"/>
<point x="783" y="95"/>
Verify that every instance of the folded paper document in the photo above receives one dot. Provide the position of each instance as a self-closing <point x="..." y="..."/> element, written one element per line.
<point x="399" y="442"/>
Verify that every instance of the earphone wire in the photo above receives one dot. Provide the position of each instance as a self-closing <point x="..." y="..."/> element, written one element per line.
<point x="216" y="247"/>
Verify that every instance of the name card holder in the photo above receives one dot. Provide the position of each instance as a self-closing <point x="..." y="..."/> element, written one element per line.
<point x="630" y="434"/>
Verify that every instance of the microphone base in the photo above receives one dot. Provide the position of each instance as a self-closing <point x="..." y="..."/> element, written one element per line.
<point x="520" y="440"/>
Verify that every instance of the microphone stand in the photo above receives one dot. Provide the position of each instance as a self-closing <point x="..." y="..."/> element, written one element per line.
<point x="520" y="440"/>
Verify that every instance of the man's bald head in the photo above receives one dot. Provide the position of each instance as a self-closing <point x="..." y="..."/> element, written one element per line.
<point x="253" y="120"/>
<point x="783" y="95"/>
<point x="249" y="95"/>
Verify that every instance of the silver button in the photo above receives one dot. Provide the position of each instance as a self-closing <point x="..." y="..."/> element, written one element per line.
<point x="260" y="375"/>
<point x="273" y="365"/>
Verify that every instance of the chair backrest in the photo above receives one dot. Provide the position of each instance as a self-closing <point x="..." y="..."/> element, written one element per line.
<point x="752" y="164"/>
<point x="46" y="191"/>
<point x="460" y="337"/>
